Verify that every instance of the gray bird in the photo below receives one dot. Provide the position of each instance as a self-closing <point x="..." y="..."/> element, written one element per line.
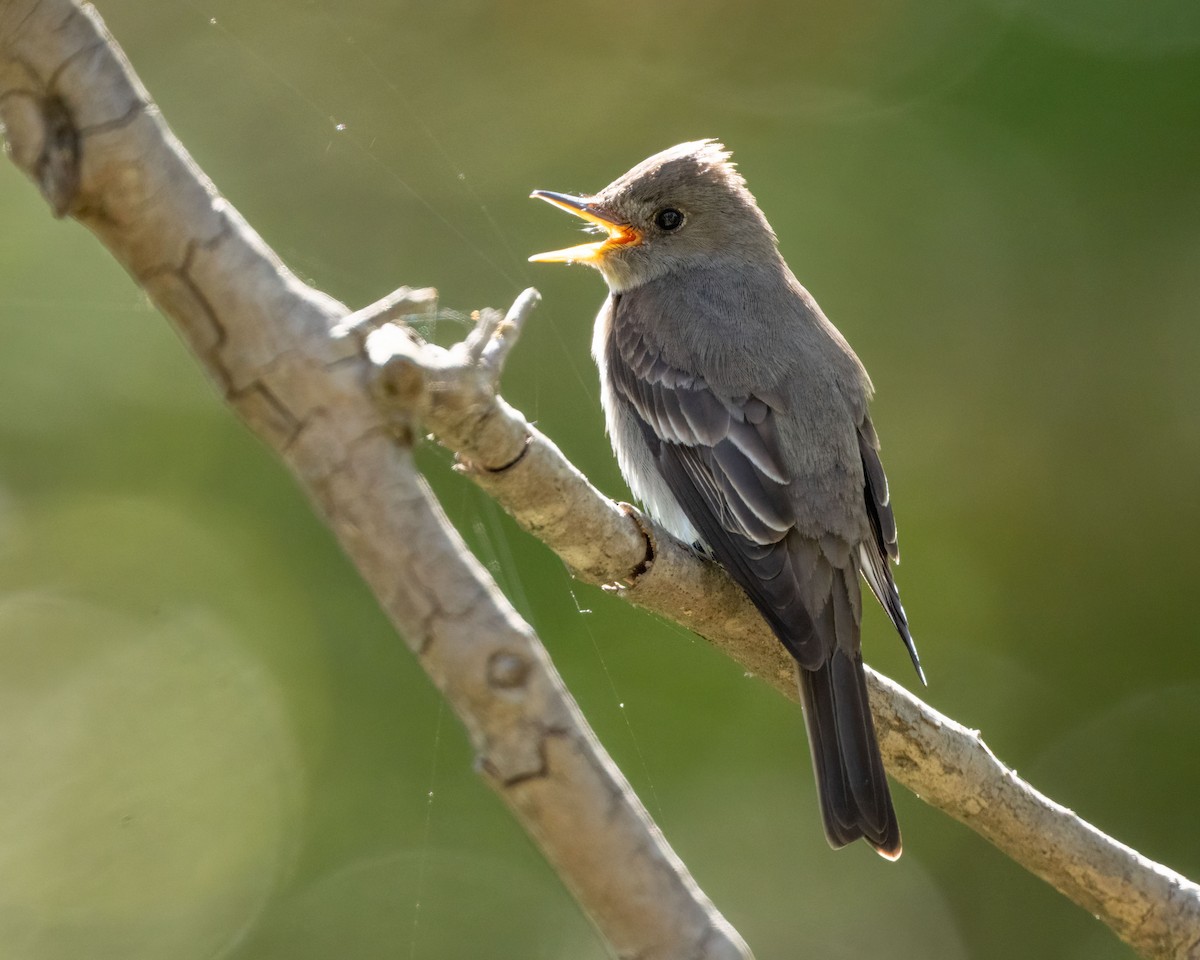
<point x="738" y="414"/>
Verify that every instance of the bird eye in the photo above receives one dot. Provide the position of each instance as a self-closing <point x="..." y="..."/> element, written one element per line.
<point x="669" y="219"/>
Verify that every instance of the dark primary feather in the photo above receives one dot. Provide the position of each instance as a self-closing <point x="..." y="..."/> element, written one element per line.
<point x="876" y="568"/>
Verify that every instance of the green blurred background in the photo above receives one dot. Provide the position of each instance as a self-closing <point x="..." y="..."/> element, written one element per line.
<point x="211" y="743"/>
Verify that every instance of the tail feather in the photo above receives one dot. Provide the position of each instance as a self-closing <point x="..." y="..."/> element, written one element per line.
<point x="851" y="782"/>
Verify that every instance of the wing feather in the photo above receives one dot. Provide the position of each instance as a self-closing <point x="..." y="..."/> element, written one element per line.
<point x="721" y="461"/>
<point x="877" y="556"/>
<point x="723" y="465"/>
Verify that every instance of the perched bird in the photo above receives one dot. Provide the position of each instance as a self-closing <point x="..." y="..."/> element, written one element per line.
<point x="738" y="414"/>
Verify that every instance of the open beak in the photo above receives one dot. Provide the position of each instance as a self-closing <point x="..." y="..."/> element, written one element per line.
<point x="619" y="234"/>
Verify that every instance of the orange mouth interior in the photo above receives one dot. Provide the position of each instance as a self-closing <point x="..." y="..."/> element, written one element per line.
<point x="619" y="234"/>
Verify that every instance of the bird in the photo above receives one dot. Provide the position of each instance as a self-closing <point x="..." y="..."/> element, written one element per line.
<point x="738" y="416"/>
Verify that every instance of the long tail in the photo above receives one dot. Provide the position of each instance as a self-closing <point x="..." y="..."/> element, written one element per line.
<point x="852" y="785"/>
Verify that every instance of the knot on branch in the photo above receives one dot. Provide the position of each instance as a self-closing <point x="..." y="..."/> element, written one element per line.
<point x="44" y="142"/>
<point x="507" y="670"/>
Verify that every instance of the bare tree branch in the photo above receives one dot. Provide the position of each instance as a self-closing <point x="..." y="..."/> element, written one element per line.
<point x="312" y="383"/>
<point x="78" y="122"/>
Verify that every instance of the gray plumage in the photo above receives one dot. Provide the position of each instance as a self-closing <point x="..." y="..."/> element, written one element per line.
<point x="738" y="414"/>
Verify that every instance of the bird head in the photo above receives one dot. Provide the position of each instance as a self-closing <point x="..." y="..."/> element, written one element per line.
<point x="685" y="207"/>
